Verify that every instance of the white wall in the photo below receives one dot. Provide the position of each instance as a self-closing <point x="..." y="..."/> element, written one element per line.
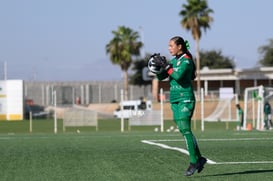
<point x="11" y="100"/>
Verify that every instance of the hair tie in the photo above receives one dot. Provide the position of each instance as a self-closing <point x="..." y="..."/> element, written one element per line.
<point x="187" y="44"/>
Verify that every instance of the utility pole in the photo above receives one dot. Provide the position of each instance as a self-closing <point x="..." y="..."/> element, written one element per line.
<point x="5" y="70"/>
<point x="142" y="41"/>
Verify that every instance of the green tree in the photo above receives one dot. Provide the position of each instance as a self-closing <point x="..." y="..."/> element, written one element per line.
<point x="122" y="48"/>
<point x="267" y="54"/>
<point x="214" y="59"/>
<point x="195" y="17"/>
<point x="138" y="66"/>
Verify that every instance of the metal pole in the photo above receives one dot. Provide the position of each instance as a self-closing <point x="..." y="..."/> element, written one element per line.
<point x="87" y="93"/>
<point x="5" y="71"/>
<point x="100" y="93"/>
<point x="116" y="92"/>
<point x="142" y="40"/>
<point x="30" y="122"/>
<point x="202" y="110"/>
<point x="121" y="109"/>
<point x="161" y="112"/>
<point x="55" y="112"/>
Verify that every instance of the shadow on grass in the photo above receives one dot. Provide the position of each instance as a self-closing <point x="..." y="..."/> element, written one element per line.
<point x="240" y="173"/>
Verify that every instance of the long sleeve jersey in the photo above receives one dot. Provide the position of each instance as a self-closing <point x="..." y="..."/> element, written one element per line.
<point x="180" y="78"/>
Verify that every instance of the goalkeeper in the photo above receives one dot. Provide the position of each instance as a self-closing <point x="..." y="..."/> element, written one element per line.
<point x="181" y="71"/>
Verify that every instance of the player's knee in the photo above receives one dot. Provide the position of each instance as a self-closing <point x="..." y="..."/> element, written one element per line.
<point x="184" y="126"/>
<point x="185" y="132"/>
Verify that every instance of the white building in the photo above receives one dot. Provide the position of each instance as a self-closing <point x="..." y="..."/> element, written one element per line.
<point x="213" y="79"/>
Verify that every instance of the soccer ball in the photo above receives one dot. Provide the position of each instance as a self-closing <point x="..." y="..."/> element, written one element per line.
<point x="153" y="67"/>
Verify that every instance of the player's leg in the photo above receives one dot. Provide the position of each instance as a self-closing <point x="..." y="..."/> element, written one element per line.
<point x="266" y="121"/>
<point x="182" y="114"/>
<point x="184" y="127"/>
<point x="270" y="121"/>
<point x="197" y="162"/>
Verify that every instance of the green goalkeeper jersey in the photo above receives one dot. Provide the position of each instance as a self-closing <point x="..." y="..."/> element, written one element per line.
<point x="180" y="79"/>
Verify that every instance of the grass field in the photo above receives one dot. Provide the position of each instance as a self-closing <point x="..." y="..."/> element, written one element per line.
<point x="141" y="154"/>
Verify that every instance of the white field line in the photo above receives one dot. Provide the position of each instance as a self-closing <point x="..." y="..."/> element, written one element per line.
<point x="172" y="148"/>
<point x="235" y="163"/>
<point x="153" y="142"/>
<point x="217" y="139"/>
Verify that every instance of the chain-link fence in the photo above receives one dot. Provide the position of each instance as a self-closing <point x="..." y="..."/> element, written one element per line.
<point x="68" y="93"/>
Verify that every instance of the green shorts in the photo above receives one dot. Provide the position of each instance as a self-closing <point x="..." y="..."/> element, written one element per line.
<point x="182" y="110"/>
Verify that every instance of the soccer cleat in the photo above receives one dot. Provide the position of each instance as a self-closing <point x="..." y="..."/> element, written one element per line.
<point x="200" y="164"/>
<point x="191" y="169"/>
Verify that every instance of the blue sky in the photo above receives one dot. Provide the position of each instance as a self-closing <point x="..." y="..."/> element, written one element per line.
<point x="65" y="40"/>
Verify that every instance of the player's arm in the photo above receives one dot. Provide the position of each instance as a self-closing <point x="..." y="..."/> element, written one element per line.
<point x="163" y="75"/>
<point x="179" y="72"/>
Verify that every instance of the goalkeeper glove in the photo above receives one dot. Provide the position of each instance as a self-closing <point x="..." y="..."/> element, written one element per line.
<point x="162" y="62"/>
<point x="157" y="59"/>
<point x="167" y="66"/>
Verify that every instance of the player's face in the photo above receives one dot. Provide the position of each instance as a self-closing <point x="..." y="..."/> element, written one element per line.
<point x="174" y="49"/>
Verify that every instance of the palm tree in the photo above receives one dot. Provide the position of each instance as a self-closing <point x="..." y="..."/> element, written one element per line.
<point x="122" y="48"/>
<point x="196" y="15"/>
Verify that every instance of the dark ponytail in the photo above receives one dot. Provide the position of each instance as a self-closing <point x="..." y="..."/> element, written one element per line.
<point x="185" y="45"/>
